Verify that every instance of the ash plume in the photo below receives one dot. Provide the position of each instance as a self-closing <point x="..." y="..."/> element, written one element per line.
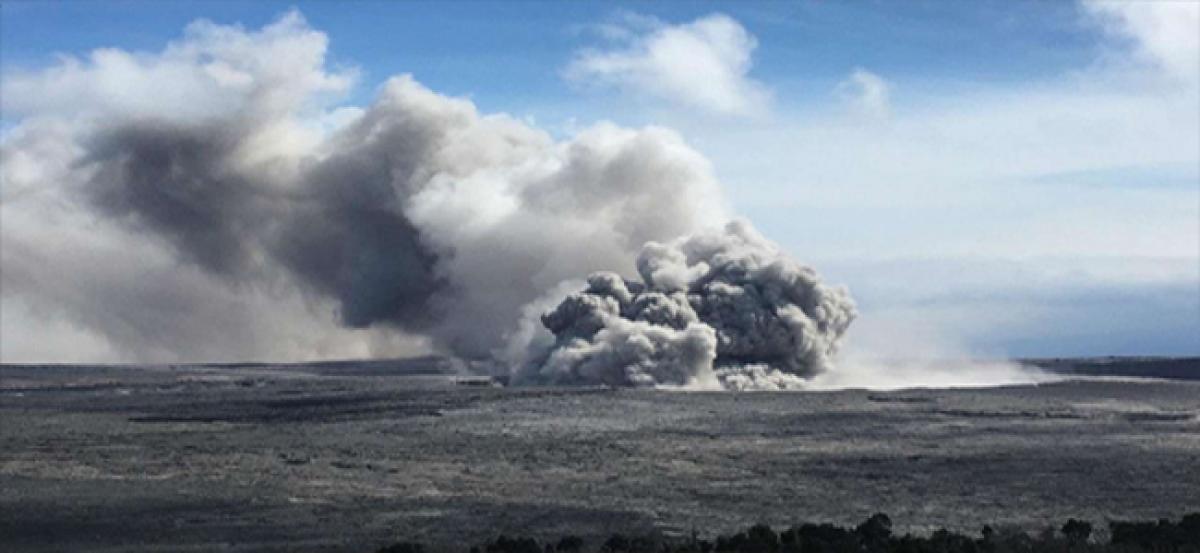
<point x="720" y="308"/>
<point x="213" y="201"/>
<point x="218" y="205"/>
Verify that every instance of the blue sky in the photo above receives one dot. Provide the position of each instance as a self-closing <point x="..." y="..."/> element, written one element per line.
<point x="484" y="49"/>
<point x="1019" y="178"/>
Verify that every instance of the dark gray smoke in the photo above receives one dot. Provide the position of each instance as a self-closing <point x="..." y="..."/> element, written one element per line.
<point x="717" y="308"/>
<point x="175" y="181"/>
<point x="339" y="231"/>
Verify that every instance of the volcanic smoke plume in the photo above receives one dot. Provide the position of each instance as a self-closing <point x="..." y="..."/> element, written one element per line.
<point x="717" y="308"/>
<point x="214" y="201"/>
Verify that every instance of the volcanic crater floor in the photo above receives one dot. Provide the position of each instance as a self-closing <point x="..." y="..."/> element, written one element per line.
<point x="350" y="458"/>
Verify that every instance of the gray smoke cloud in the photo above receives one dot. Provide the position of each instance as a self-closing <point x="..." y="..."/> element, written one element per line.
<point x="716" y="309"/>
<point x="213" y="201"/>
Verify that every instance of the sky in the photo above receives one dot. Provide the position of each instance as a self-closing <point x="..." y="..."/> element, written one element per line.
<point x="987" y="178"/>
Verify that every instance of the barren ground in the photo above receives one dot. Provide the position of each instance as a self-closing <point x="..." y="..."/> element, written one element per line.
<point x="350" y="457"/>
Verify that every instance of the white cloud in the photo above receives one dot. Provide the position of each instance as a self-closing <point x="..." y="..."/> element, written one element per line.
<point x="973" y="172"/>
<point x="703" y="64"/>
<point x="212" y="71"/>
<point x="866" y="92"/>
<point x="964" y="172"/>
<point x="1165" y="34"/>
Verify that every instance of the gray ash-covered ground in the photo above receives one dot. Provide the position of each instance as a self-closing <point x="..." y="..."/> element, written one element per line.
<point x="349" y="457"/>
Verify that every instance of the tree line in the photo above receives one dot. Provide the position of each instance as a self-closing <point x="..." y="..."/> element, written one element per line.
<point x="874" y="535"/>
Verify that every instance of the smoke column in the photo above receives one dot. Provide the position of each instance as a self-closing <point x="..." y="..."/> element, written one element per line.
<point x="213" y="201"/>
<point x="716" y="309"/>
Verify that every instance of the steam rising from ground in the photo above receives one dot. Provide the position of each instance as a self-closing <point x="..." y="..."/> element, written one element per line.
<point x="887" y="353"/>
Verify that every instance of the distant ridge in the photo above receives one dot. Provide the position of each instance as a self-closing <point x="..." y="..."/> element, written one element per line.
<point x="411" y="366"/>
<point x="427" y="365"/>
<point x="1175" y="368"/>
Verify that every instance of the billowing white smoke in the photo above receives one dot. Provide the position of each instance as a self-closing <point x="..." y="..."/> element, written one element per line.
<point x="720" y="308"/>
